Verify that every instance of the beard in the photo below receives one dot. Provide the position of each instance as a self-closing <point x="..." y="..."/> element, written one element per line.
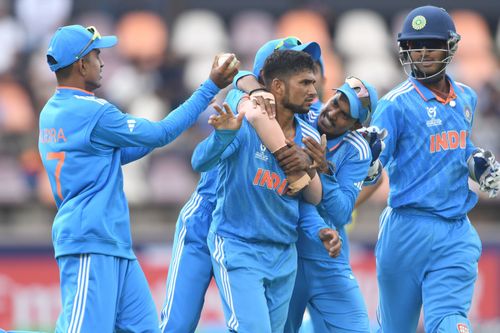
<point x="295" y="108"/>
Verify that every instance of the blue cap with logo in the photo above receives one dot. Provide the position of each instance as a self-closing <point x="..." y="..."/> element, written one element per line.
<point x="427" y="22"/>
<point x="362" y="98"/>
<point x="73" y="42"/>
<point x="288" y="43"/>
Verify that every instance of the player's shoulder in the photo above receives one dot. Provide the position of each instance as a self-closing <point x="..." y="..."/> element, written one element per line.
<point x="358" y="144"/>
<point x="91" y="100"/>
<point x="308" y="130"/>
<point x="464" y="89"/>
<point x="397" y="93"/>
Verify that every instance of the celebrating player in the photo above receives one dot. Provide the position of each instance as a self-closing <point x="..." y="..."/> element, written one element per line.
<point x="83" y="142"/>
<point x="325" y="285"/>
<point x="427" y="251"/>
<point x="190" y="269"/>
<point x="253" y="232"/>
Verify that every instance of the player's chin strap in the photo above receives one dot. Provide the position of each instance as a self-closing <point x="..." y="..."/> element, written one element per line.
<point x="485" y="170"/>
<point x="375" y="137"/>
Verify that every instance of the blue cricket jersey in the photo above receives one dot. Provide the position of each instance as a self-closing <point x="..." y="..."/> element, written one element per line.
<point x="351" y="156"/>
<point x="251" y="204"/>
<point x="427" y="148"/>
<point x="83" y="142"/>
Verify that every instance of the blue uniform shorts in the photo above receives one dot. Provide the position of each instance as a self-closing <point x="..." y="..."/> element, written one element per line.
<point x="190" y="269"/>
<point x="332" y="295"/>
<point x="425" y="260"/>
<point x="255" y="281"/>
<point x="103" y="293"/>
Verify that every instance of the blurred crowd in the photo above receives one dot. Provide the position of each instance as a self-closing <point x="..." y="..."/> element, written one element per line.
<point x="159" y="62"/>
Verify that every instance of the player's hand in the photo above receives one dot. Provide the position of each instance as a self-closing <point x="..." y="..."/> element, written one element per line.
<point x="293" y="158"/>
<point x="485" y="171"/>
<point x="331" y="241"/>
<point x="223" y="75"/>
<point x="225" y="119"/>
<point x="265" y="100"/>
<point x="375" y="138"/>
<point x="317" y="152"/>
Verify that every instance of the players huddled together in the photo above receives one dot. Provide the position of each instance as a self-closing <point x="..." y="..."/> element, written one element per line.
<point x="281" y="174"/>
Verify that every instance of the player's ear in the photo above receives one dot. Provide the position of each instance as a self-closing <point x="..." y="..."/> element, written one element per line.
<point x="81" y="66"/>
<point x="278" y="87"/>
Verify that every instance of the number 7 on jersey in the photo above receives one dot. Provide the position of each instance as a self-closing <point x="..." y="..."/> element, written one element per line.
<point x="59" y="156"/>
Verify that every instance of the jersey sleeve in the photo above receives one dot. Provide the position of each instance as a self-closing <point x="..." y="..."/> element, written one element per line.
<point x="117" y="129"/>
<point x="221" y="143"/>
<point x="341" y="190"/>
<point x="470" y="147"/>
<point x="387" y="115"/>
<point x="130" y="154"/>
<point x="239" y="76"/>
<point x="212" y="150"/>
<point x="310" y="222"/>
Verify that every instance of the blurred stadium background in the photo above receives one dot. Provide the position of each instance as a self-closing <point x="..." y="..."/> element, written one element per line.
<point x="165" y="51"/>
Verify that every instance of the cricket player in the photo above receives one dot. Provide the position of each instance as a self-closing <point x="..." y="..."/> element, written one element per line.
<point x="427" y="251"/>
<point x="327" y="286"/>
<point x="254" y="228"/>
<point x="190" y="269"/>
<point x="83" y="142"/>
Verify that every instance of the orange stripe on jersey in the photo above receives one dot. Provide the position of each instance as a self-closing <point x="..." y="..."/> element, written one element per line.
<point x="418" y="90"/>
<point x="73" y="88"/>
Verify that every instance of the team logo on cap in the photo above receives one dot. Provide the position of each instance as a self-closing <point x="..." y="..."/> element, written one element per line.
<point x="463" y="328"/>
<point x="418" y="22"/>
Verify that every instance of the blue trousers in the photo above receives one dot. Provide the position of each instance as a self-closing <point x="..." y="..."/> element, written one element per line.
<point x="190" y="269"/>
<point x="332" y="295"/>
<point x="427" y="261"/>
<point x="255" y="281"/>
<point x="105" y="294"/>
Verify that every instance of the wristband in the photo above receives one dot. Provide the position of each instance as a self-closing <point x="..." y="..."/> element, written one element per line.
<point x="257" y="89"/>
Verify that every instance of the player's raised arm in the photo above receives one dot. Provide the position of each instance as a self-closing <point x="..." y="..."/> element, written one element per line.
<point x="117" y="129"/>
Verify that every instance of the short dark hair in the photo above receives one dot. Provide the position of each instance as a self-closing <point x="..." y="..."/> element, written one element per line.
<point x="283" y="64"/>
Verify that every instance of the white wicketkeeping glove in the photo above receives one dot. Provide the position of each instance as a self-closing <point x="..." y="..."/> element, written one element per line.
<point x="485" y="170"/>
<point x="375" y="138"/>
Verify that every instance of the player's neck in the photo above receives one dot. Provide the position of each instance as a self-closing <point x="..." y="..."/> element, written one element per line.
<point x="285" y="119"/>
<point x="71" y="82"/>
<point x="440" y="87"/>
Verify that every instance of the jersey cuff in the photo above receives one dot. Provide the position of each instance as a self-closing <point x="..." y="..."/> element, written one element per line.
<point x="210" y="86"/>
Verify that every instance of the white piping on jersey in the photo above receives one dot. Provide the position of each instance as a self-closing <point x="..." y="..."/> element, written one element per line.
<point x="218" y="255"/>
<point x="410" y="88"/>
<point x="92" y="99"/>
<point x="189" y="209"/>
<point x="359" y="143"/>
<point x="312" y="115"/>
<point x="308" y="130"/>
<point x="463" y="85"/>
<point x="78" y="312"/>
<point x="383" y="220"/>
<point x="402" y="87"/>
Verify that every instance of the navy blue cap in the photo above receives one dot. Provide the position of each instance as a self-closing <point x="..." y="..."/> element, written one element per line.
<point x="73" y="42"/>
<point x="427" y="22"/>
<point x="288" y="43"/>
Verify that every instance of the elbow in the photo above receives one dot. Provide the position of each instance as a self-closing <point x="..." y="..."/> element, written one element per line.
<point x="196" y="164"/>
